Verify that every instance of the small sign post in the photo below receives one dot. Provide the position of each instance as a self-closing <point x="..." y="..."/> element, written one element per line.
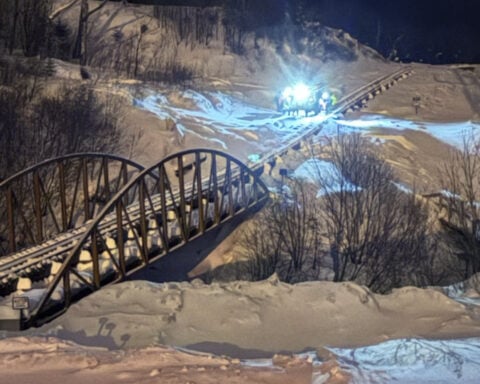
<point x="20" y="302"/>
<point x="416" y="103"/>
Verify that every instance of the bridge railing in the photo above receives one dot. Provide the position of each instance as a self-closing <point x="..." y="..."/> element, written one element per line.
<point x="361" y="95"/>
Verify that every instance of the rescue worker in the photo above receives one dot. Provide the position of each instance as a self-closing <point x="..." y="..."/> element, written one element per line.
<point x="333" y="99"/>
<point x="324" y="102"/>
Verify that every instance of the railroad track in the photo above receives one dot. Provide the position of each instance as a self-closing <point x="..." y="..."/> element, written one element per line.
<point x="227" y="185"/>
<point x="56" y="249"/>
<point x="354" y="100"/>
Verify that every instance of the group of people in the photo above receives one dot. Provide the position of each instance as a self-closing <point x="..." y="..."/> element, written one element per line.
<point x="317" y="102"/>
<point x="326" y="101"/>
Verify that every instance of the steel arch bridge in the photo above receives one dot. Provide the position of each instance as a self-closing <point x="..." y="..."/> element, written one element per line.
<point x="109" y="218"/>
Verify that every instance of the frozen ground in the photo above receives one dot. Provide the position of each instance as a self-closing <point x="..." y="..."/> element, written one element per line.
<point x="339" y="333"/>
<point x="412" y="335"/>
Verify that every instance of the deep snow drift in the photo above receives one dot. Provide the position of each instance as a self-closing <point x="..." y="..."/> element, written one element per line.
<point x="247" y="320"/>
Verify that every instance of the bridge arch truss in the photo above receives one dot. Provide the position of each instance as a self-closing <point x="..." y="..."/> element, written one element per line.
<point x="165" y="206"/>
<point x="57" y="195"/>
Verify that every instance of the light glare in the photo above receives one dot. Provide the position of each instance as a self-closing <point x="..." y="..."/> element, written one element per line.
<point x="301" y="92"/>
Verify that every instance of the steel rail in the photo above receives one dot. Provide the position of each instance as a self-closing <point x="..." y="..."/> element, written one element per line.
<point x="345" y="103"/>
<point x="53" y="248"/>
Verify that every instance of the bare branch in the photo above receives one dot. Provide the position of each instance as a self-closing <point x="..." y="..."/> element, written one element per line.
<point x="97" y="9"/>
<point x="60" y="10"/>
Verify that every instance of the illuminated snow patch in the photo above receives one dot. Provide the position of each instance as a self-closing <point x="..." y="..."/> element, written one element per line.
<point x="413" y="361"/>
<point x="466" y="292"/>
<point x="324" y="174"/>
<point x="220" y="118"/>
<point x="450" y="133"/>
<point x="153" y="104"/>
<point x="314" y="169"/>
<point x="213" y="107"/>
<point x="403" y="188"/>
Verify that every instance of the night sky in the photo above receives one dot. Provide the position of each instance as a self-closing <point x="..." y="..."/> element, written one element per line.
<point x="434" y="31"/>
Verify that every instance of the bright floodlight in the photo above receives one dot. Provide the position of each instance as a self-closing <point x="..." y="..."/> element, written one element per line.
<point x="301" y="92"/>
<point x="325" y="95"/>
<point x="287" y="92"/>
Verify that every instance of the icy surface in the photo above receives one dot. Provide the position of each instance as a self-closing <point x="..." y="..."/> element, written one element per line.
<point x="413" y="361"/>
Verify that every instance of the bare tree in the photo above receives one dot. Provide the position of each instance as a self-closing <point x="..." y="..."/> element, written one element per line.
<point x="242" y="17"/>
<point x="34" y="26"/>
<point x="461" y="184"/>
<point x="57" y="12"/>
<point x="24" y="24"/>
<point x="20" y="85"/>
<point x="13" y="32"/>
<point x="9" y="22"/>
<point x="294" y="221"/>
<point x="34" y="126"/>
<point x="81" y="43"/>
<point x="143" y="29"/>
<point x="261" y="249"/>
<point x="285" y="237"/>
<point x="377" y="232"/>
<point x="360" y="223"/>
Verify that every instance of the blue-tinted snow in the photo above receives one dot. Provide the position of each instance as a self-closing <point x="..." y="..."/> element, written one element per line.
<point x="450" y="133"/>
<point x="413" y="361"/>
<point x="314" y="170"/>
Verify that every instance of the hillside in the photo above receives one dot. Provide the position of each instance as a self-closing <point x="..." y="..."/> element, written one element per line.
<point x="267" y="331"/>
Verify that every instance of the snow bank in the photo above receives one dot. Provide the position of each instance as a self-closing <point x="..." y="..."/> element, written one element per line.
<point x="122" y="329"/>
<point x="261" y="318"/>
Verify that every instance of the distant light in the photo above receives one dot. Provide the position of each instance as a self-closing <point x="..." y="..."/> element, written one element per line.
<point x="325" y="95"/>
<point x="301" y="92"/>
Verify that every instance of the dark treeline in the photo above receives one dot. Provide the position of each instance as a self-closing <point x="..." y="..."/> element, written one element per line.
<point x="28" y="25"/>
<point x="433" y="31"/>
<point x="438" y="32"/>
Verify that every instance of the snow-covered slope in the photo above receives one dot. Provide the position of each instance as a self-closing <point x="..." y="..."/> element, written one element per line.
<point x="231" y="108"/>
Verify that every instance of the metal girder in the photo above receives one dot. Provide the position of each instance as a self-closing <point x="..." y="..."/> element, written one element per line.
<point x="57" y="195"/>
<point x="164" y="207"/>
